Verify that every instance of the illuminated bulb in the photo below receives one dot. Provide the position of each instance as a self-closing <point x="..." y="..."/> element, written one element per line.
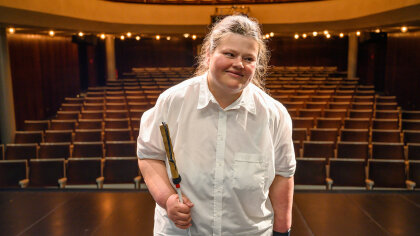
<point x="129" y="34"/>
<point x="80" y="34"/>
<point x="12" y="30"/>
<point x="341" y="35"/>
<point x="157" y="37"/>
<point x="328" y="36"/>
<point x="194" y="36"/>
<point x="102" y="36"/>
<point x="358" y="33"/>
<point x="186" y="35"/>
<point x="51" y="33"/>
<point x="122" y="37"/>
<point x="263" y="36"/>
<point x="326" y="32"/>
<point x="315" y="33"/>
<point x="304" y="36"/>
<point x="296" y="36"/>
<point x="267" y="36"/>
<point x="168" y="38"/>
<point x="378" y="31"/>
<point x="137" y="38"/>
<point x="271" y="34"/>
<point x="404" y="29"/>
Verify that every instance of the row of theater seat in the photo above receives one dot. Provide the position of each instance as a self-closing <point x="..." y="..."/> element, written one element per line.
<point x="74" y="171"/>
<point x="360" y="150"/>
<point x="66" y="150"/>
<point x="361" y="173"/>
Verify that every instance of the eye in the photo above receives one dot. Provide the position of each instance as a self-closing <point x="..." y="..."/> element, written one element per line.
<point x="249" y="59"/>
<point x="229" y="54"/>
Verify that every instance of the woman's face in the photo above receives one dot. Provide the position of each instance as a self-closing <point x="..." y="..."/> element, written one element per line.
<point x="232" y="64"/>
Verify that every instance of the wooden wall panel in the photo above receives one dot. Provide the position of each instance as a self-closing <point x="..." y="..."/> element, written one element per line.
<point x="402" y="76"/>
<point x="177" y="52"/>
<point x="44" y="70"/>
<point x="311" y="51"/>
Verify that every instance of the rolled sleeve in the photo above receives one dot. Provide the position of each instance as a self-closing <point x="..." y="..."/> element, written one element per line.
<point x="285" y="162"/>
<point x="149" y="142"/>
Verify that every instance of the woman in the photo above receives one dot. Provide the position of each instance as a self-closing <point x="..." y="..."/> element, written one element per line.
<point x="233" y="143"/>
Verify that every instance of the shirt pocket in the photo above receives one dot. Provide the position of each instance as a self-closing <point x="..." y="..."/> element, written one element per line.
<point x="249" y="172"/>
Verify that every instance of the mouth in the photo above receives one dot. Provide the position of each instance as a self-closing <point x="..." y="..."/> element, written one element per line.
<point x="235" y="73"/>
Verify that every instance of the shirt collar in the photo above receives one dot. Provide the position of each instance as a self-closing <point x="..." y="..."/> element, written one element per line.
<point x="246" y="100"/>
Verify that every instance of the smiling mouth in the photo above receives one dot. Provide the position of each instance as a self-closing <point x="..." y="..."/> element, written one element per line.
<point x="235" y="73"/>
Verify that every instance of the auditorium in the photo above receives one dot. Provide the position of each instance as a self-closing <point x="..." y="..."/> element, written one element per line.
<point x="338" y="80"/>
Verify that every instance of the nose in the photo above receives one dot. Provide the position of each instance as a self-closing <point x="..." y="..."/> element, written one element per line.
<point x="238" y="63"/>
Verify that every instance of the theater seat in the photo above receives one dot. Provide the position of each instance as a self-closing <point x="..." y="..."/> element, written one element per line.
<point x="22" y="151"/>
<point x="347" y="172"/>
<point x="54" y="150"/>
<point x="411" y="136"/>
<point x="387" y="174"/>
<point x="36" y="125"/>
<point x="120" y="170"/>
<point x="84" y="171"/>
<point x="310" y="171"/>
<point x="120" y="149"/>
<point x="28" y="136"/>
<point x="13" y="173"/>
<point x="47" y="173"/>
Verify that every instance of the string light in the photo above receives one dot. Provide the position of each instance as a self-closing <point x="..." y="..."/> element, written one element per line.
<point x="102" y="36"/>
<point x="341" y="35"/>
<point x="122" y="37"/>
<point x="168" y="38"/>
<point x="186" y="35"/>
<point x="51" y="33"/>
<point x="404" y="29"/>
<point x="80" y="34"/>
<point x="271" y="34"/>
<point x="267" y="36"/>
<point x="129" y="35"/>
<point x="138" y="38"/>
<point x="263" y="36"/>
<point x="328" y="36"/>
<point x="304" y="36"/>
<point x="157" y="37"/>
<point x="194" y="36"/>
<point x="296" y="36"/>
<point x="358" y="33"/>
<point x="378" y="30"/>
<point x="326" y="32"/>
<point x="315" y="33"/>
<point x="12" y="30"/>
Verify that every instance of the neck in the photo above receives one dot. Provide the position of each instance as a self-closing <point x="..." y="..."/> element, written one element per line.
<point x="224" y="99"/>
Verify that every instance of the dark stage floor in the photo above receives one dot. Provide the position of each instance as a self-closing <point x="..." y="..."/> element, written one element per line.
<point x="73" y="212"/>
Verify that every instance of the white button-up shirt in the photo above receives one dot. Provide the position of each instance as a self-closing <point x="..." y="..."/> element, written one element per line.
<point x="227" y="158"/>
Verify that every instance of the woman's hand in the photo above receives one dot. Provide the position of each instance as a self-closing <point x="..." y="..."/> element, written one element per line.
<point x="179" y="213"/>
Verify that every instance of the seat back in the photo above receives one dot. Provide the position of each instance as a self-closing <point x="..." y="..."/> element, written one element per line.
<point x="310" y="171"/>
<point x="388" y="151"/>
<point x="28" y="136"/>
<point x="120" y="149"/>
<point x="12" y="171"/>
<point x="117" y="135"/>
<point x="36" y="125"/>
<point x="88" y="135"/>
<point x="324" y="149"/>
<point x="21" y="151"/>
<point x="46" y="172"/>
<point x="87" y="149"/>
<point x="411" y="136"/>
<point x="413" y="151"/>
<point x="58" y="136"/>
<point x="54" y="150"/>
<point x="83" y="170"/>
<point x="354" y="135"/>
<point x="387" y="136"/>
<point x="120" y="170"/>
<point x="348" y="172"/>
<point x="387" y="173"/>
<point x="353" y="150"/>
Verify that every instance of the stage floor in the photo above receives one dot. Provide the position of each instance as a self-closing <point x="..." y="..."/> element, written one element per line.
<point x="92" y="212"/>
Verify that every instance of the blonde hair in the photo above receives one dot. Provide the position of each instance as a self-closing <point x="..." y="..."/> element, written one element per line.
<point x="242" y="25"/>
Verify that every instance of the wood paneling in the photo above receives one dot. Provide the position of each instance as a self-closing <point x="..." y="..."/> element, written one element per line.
<point x="311" y="51"/>
<point x="402" y="76"/>
<point x="177" y="52"/>
<point x="44" y="70"/>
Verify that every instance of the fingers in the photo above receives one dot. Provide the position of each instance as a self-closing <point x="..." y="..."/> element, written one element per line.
<point x="179" y="213"/>
<point x="187" y="201"/>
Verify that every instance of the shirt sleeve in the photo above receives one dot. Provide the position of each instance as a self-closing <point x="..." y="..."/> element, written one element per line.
<point x="285" y="162"/>
<point x="149" y="142"/>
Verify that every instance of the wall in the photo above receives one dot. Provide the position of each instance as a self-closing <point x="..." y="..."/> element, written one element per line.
<point x="44" y="70"/>
<point x="402" y="76"/>
<point x="177" y="52"/>
<point x="311" y="51"/>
